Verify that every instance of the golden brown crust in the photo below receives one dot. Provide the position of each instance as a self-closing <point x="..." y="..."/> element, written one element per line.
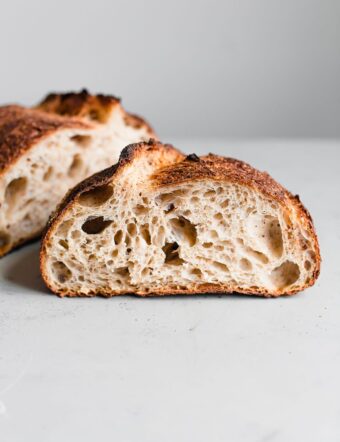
<point x="188" y="169"/>
<point x="21" y="128"/>
<point x="96" y="108"/>
<point x="219" y="168"/>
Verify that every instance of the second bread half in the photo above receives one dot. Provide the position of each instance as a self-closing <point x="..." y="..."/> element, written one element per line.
<point x="47" y="150"/>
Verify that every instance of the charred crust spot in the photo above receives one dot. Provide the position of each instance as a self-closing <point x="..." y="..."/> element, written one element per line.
<point x="193" y="157"/>
<point x="82" y="104"/>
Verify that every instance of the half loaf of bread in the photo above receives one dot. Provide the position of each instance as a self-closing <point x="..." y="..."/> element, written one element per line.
<point x="47" y="150"/>
<point x="160" y="223"/>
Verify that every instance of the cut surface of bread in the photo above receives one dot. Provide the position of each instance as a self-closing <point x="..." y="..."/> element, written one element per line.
<point x="47" y="150"/>
<point x="160" y="223"/>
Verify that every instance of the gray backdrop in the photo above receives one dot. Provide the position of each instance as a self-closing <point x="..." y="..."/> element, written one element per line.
<point x="242" y="68"/>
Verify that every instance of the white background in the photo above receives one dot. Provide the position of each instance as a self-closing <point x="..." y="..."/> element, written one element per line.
<point x="231" y="68"/>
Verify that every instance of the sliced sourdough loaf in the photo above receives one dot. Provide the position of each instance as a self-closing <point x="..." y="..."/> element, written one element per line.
<point x="47" y="150"/>
<point x="160" y="223"/>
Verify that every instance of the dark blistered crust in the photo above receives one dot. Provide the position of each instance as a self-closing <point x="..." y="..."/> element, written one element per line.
<point x="21" y="128"/>
<point x="189" y="169"/>
<point x="80" y="104"/>
<point x="96" y="108"/>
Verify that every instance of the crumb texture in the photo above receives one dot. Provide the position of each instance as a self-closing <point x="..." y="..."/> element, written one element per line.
<point x="133" y="235"/>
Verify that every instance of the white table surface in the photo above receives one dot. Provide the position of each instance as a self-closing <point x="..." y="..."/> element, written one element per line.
<point x="206" y="368"/>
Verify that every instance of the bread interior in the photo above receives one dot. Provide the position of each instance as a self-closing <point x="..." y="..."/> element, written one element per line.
<point x="140" y="238"/>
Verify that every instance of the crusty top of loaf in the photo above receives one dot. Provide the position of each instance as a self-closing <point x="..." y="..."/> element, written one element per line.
<point x="95" y="107"/>
<point x="219" y="168"/>
<point x="20" y="128"/>
<point x="79" y="104"/>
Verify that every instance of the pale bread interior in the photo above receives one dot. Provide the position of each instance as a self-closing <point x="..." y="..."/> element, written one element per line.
<point x="132" y="236"/>
<point x="33" y="186"/>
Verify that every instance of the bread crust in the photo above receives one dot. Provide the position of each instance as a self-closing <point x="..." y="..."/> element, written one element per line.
<point x="188" y="169"/>
<point x="94" y="107"/>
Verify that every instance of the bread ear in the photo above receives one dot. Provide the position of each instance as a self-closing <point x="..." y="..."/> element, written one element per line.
<point x="161" y="223"/>
<point x="47" y="150"/>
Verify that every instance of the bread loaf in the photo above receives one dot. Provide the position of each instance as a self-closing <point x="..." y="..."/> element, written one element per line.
<point x="160" y="223"/>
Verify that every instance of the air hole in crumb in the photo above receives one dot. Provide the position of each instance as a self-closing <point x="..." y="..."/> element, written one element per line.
<point x="220" y="266"/>
<point x="48" y="174"/>
<point x="127" y="240"/>
<point x="131" y="229"/>
<point x="285" y="275"/>
<point x="169" y="208"/>
<point x="63" y="244"/>
<point x="218" y="216"/>
<point x="114" y="253"/>
<point x="170" y="250"/>
<point x="184" y="230"/>
<point x="82" y="140"/>
<point x="196" y="272"/>
<point x="118" y="237"/>
<point x="94" y="225"/>
<point x="145" y="272"/>
<point x="122" y="271"/>
<point x="268" y="230"/>
<point x="207" y="245"/>
<point x="308" y="265"/>
<point x="15" y="191"/>
<point x="225" y="204"/>
<point x="140" y="210"/>
<point x="144" y="230"/>
<point x="245" y="264"/>
<point x="96" y="197"/>
<point x="259" y="256"/>
<point x="61" y="271"/>
<point x="76" y="166"/>
<point x="167" y="198"/>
